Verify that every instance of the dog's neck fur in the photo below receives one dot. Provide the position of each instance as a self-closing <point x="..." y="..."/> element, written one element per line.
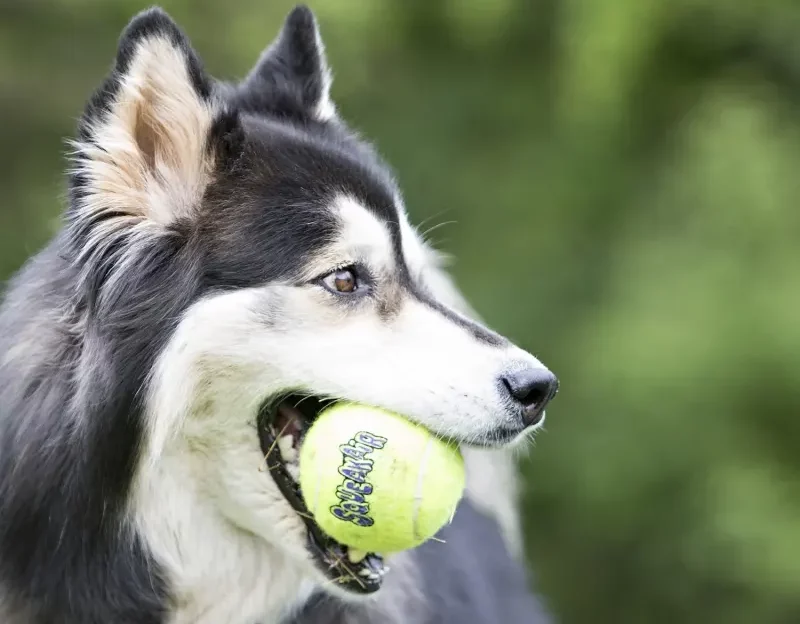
<point x="221" y="573"/>
<point x="215" y="569"/>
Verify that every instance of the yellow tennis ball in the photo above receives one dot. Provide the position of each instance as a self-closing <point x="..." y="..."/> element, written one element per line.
<point x="377" y="482"/>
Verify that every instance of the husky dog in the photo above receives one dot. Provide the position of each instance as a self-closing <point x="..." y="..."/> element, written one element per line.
<point x="233" y="259"/>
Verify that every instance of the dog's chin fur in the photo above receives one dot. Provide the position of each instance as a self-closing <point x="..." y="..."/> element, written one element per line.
<point x="187" y="288"/>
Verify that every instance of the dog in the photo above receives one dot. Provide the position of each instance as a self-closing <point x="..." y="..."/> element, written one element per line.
<point x="232" y="259"/>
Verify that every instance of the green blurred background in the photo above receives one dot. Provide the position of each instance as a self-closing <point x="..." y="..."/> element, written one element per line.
<point x="618" y="182"/>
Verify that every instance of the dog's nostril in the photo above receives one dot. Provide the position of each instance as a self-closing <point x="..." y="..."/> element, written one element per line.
<point x="532" y="388"/>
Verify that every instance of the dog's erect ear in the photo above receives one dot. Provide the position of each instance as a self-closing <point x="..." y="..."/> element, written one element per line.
<point x="292" y="79"/>
<point x="147" y="141"/>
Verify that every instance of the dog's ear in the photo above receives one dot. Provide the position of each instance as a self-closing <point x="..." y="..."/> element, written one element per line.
<point x="292" y="78"/>
<point x="149" y="138"/>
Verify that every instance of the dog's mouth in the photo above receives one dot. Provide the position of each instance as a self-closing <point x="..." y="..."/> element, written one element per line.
<point x="282" y="425"/>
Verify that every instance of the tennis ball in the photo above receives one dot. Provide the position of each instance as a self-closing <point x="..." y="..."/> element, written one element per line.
<point x="377" y="482"/>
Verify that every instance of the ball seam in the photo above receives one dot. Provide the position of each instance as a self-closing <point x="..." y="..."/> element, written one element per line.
<point x="418" y="492"/>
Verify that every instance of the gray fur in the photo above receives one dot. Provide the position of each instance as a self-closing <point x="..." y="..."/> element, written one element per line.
<point x="465" y="580"/>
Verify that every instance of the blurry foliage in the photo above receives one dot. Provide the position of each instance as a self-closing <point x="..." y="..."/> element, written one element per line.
<point x="623" y="177"/>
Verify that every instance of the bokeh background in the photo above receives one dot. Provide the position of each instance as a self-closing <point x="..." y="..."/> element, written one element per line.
<point x="618" y="183"/>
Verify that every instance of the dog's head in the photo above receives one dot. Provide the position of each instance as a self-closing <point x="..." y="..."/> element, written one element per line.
<point x="295" y="276"/>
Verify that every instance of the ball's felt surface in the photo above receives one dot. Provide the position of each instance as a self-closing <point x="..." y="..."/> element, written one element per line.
<point x="377" y="482"/>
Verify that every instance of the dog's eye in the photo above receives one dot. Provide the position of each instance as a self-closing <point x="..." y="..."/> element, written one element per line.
<point x="342" y="281"/>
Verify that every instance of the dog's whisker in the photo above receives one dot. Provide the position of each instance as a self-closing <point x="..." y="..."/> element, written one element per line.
<point x="430" y="218"/>
<point x="433" y="228"/>
<point x="304" y="398"/>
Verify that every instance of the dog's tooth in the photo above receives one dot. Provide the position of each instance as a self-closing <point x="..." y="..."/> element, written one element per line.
<point x="286" y="447"/>
<point x="294" y="471"/>
<point x="355" y="555"/>
<point x="365" y="572"/>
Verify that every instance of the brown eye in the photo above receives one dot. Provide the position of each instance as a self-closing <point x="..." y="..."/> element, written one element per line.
<point x="341" y="281"/>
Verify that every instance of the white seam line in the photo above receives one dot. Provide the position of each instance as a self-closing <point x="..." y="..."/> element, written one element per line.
<point x="420" y="477"/>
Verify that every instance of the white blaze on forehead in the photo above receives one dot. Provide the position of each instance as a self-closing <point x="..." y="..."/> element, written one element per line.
<point x="361" y="237"/>
<point x="363" y="233"/>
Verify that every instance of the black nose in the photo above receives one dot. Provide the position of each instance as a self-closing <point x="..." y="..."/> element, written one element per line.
<point x="532" y="389"/>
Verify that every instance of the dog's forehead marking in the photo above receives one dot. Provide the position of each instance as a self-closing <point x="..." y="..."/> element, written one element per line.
<point x="363" y="233"/>
<point x="362" y="237"/>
